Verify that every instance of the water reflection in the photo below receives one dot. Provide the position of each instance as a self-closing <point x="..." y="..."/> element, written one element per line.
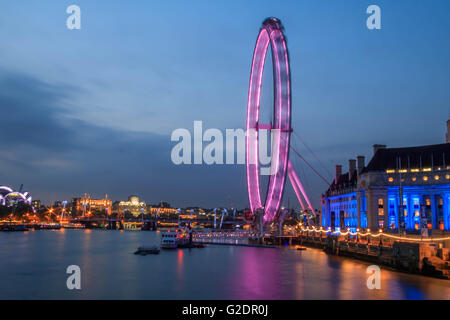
<point x="259" y="273"/>
<point x="33" y="266"/>
<point x="179" y="270"/>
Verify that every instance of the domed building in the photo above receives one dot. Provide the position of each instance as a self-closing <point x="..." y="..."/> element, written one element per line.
<point x="133" y="206"/>
<point x="9" y="197"/>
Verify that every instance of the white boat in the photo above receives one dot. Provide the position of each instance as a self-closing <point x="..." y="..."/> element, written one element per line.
<point x="173" y="239"/>
<point x="169" y="240"/>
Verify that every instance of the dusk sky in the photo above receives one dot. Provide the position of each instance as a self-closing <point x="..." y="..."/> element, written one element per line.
<point x="92" y="110"/>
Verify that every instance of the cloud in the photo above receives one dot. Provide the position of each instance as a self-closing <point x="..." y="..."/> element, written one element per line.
<point x="56" y="155"/>
<point x="32" y="112"/>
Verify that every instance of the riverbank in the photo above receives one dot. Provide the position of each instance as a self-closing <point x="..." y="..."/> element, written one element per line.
<point x="413" y="257"/>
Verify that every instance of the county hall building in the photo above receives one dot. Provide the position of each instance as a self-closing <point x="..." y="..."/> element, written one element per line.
<point x="399" y="187"/>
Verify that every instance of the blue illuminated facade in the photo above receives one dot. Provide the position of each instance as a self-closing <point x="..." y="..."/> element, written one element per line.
<point x="400" y="190"/>
<point x="340" y="203"/>
<point x="425" y="206"/>
<point x="344" y="212"/>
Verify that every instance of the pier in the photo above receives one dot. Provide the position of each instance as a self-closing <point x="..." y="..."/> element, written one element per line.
<point x="236" y="244"/>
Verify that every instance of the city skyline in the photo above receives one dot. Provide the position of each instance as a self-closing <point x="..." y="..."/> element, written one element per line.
<point x="92" y="110"/>
<point x="224" y="155"/>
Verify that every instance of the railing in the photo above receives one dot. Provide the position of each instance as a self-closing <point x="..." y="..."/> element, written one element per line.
<point x="368" y="236"/>
<point x="240" y="235"/>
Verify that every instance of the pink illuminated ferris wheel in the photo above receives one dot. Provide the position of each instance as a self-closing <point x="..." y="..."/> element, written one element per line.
<point x="271" y="33"/>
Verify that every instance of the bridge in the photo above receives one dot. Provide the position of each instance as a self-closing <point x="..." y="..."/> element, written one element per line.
<point x="148" y="224"/>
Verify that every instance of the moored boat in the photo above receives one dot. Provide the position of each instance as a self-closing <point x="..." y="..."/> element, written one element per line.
<point x="169" y="240"/>
<point x="147" y="250"/>
<point x="13" y="227"/>
<point x="174" y="239"/>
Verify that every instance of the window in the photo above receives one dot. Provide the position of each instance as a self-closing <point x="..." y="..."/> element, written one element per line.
<point x="427" y="212"/>
<point x="392" y="214"/>
<point x="381" y="213"/>
<point x="416" y="208"/>
<point x="440" y="212"/>
<point x="405" y="206"/>
<point x="380" y="207"/>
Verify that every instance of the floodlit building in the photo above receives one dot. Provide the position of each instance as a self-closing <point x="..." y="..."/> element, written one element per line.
<point x="162" y="208"/>
<point x="9" y="197"/>
<point x="133" y="206"/>
<point x="406" y="188"/>
<point x="339" y="203"/>
<point x="81" y="206"/>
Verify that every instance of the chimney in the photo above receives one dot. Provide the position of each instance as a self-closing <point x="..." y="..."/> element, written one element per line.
<point x="338" y="173"/>
<point x="377" y="147"/>
<point x="351" y="168"/>
<point x="361" y="164"/>
<point x="447" y="136"/>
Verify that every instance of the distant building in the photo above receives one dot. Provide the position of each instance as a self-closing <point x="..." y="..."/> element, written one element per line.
<point x="36" y="204"/>
<point x="9" y="197"/>
<point x="192" y="212"/>
<point x="81" y="206"/>
<point x="133" y="206"/>
<point x="400" y="187"/>
<point x="161" y="208"/>
<point x="163" y="204"/>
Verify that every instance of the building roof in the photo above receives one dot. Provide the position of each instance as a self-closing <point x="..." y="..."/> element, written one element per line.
<point x="344" y="182"/>
<point x="431" y="156"/>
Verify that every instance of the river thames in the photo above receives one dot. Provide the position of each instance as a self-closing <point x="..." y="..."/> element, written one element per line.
<point x="33" y="266"/>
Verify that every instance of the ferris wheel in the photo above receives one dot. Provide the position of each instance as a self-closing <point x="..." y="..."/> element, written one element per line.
<point x="271" y="33"/>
